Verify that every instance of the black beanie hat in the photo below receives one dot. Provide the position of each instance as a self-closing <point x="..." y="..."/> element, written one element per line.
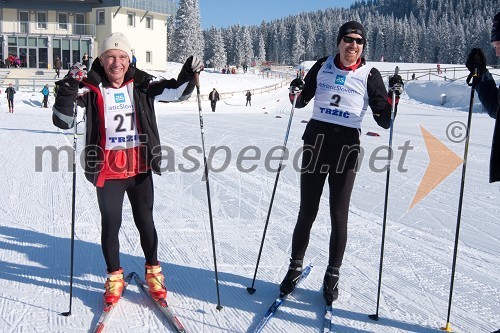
<point x="350" y="28"/>
<point x="495" y="31"/>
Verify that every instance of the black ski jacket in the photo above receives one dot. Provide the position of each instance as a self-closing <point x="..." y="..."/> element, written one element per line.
<point x="10" y="91"/>
<point x="377" y="100"/>
<point x="489" y="95"/>
<point x="144" y="92"/>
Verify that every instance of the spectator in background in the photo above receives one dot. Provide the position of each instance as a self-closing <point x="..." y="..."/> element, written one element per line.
<point x="10" y="91"/>
<point x="7" y="62"/>
<point x="85" y="60"/>
<point x="213" y="97"/>
<point x="57" y="67"/>
<point x="45" y="92"/>
<point x="249" y="98"/>
<point x="133" y="63"/>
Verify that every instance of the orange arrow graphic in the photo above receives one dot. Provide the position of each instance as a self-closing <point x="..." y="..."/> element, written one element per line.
<point x="442" y="163"/>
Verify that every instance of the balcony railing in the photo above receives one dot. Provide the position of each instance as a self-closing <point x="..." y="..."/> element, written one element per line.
<point x="47" y="28"/>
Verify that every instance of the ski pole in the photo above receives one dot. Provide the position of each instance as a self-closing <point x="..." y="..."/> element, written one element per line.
<point x="447" y="328"/>
<point x="198" y="96"/>
<point x="384" y="221"/>
<point x="251" y="289"/>
<point x="73" y="215"/>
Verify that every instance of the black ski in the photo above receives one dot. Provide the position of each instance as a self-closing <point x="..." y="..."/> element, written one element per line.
<point x="328" y="321"/>
<point x="278" y="302"/>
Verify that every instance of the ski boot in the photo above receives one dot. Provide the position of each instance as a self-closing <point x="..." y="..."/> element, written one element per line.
<point x="156" y="282"/>
<point x="114" y="287"/>
<point x="331" y="285"/>
<point x="292" y="277"/>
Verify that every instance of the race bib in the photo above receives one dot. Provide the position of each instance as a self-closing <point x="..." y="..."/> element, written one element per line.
<point x="120" y="123"/>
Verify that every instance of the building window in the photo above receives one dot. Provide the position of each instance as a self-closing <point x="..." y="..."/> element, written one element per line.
<point x="131" y="19"/>
<point x="41" y="18"/>
<point x="149" y="22"/>
<point x="24" y="18"/>
<point x="62" y="20"/>
<point x="100" y="17"/>
<point x="79" y="25"/>
<point x="149" y="57"/>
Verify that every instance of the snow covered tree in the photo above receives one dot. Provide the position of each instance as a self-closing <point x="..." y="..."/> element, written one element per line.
<point x="246" y="54"/>
<point x="188" y="38"/>
<point x="170" y="35"/>
<point x="214" y="48"/>
<point x="309" y="39"/>
<point x="261" y="52"/>
<point x="297" y="42"/>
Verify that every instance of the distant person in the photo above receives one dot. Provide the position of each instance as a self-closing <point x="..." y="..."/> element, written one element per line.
<point x="133" y="63"/>
<point x="85" y="60"/>
<point x="438" y="67"/>
<point x="413" y="76"/>
<point x="7" y="62"/>
<point x="335" y="126"/>
<point x="489" y="94"/>
<point x="213" y="97"/>
<point x="10" y="91"/>
<point x="45" y="92"/>
<point x="249" y="98"/>
<point x="57" y="67"/>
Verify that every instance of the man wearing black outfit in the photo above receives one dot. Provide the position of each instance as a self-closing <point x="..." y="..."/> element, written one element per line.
<point x="343" y="87"/>
<point x="489" y="93"/>
<point x="213" y="97"/>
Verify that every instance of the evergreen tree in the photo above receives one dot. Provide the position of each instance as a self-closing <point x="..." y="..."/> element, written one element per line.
<point x="437" y="31"/>
<point x="170" y="35"/>
<point x="188" y="38"/>
<point x="261" y="53"/>
<point x="215" y="52"/>
<point x="247" y="55"/>
<point x="297" y="43"/>
<point x="309" y="39"/>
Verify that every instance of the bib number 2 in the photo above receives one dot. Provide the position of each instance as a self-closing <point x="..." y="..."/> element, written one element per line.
<point x="335" y="100"/>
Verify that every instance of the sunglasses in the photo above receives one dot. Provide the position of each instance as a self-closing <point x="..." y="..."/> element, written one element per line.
<point x="349" y="40"/>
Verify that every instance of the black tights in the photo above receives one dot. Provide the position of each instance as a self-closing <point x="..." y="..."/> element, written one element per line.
<point x="140" y="192"/>
<point x="311" y="188"/>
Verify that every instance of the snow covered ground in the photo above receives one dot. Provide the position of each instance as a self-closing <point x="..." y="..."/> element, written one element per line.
<point x="35" y="220"/>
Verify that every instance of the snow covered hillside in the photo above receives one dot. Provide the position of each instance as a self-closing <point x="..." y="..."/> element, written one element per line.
<point x="35" y="222"/>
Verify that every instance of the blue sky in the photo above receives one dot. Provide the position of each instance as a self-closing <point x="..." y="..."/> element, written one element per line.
<point x="223" y="13"/>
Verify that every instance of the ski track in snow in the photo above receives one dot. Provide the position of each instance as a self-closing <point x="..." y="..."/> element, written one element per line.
<point x="36" y="220"/>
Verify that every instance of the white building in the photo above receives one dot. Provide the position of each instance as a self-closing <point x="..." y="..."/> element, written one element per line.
<point x="38" y="31"/>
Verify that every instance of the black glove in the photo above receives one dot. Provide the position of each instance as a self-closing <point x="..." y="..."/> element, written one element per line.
<point x="476" y="59"/>
<point x="396" y="85"/>
<point x="296" y="86"/>
<point x="193" y="64"/>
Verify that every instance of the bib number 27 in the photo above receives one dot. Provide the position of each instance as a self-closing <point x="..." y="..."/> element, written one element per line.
<point x="122" y="119"/>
